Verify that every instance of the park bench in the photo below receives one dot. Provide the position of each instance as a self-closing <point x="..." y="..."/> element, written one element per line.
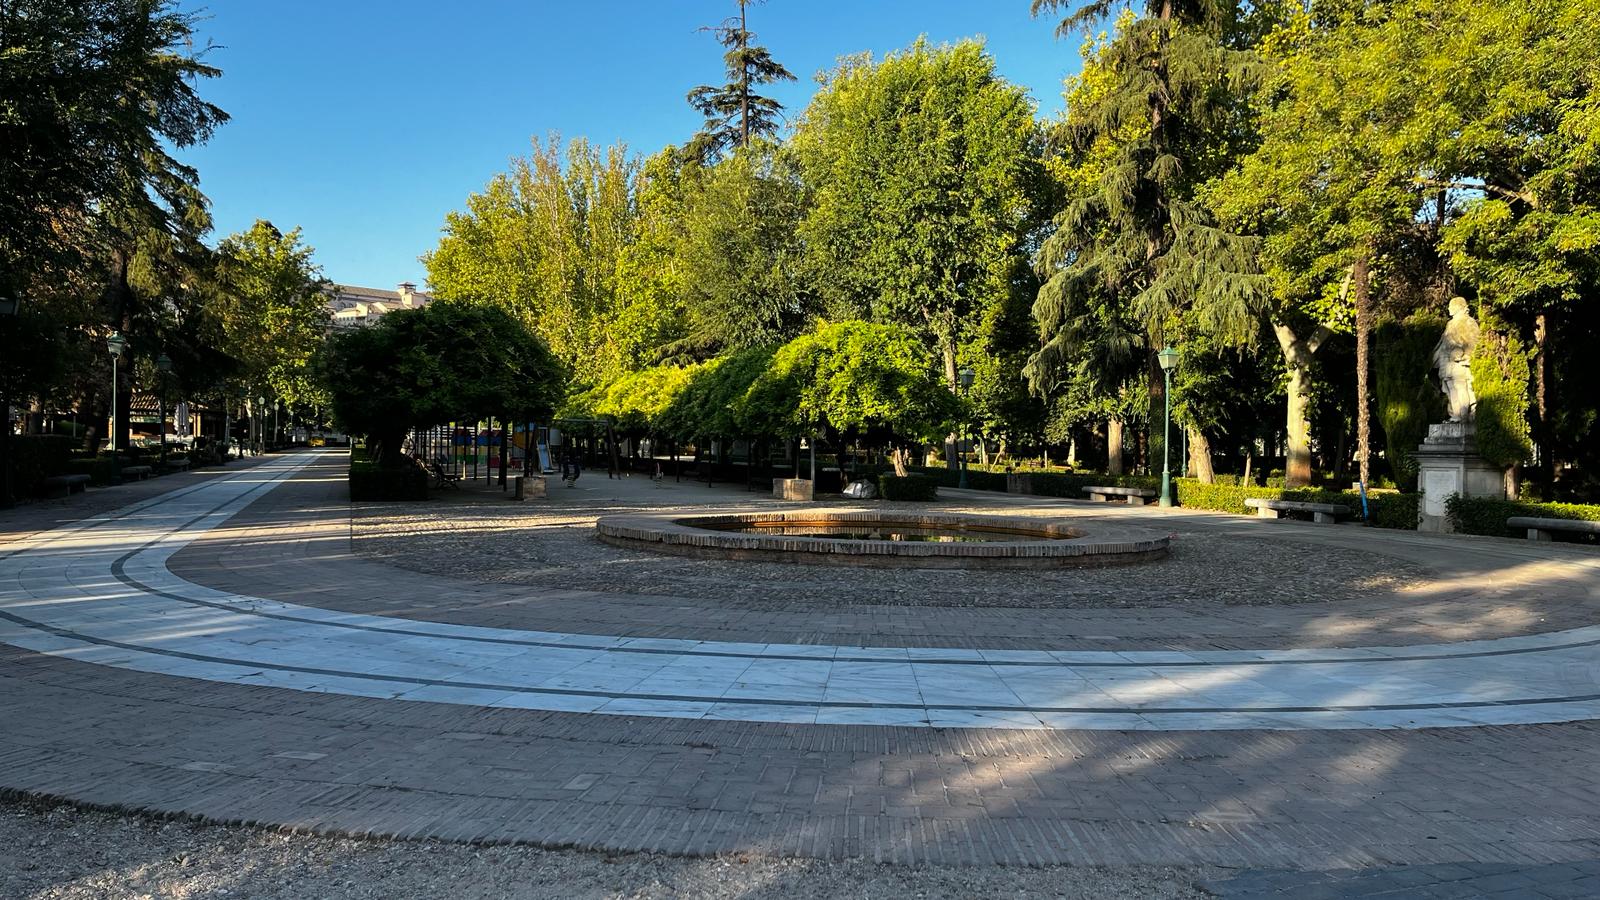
<point x="135" y="473"/>
<point x="66" y="485"/>
<point x="1132" y="496"/>
<point x="1321" y="513"/>
<point x="444" y="475"/>
<point x="1543" y="529"/>
<point x="176" y="465"/>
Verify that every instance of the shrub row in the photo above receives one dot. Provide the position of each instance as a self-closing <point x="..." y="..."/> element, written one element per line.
<point x="370" y="481"/>
<point x="918" y="487"/>
<point x="1487" y="515"/>
<point x="100" y="469"/>
<point x="35" y="457"/>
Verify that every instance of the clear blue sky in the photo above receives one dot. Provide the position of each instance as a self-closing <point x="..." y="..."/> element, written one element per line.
<point x="365" y="121"/>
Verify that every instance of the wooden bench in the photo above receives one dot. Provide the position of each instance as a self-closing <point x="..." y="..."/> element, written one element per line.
<point x="444" y="475"/>
<point x="66" y="485"/>
<point x="1133" y="496"/>
<point x="1321" y="513"/>
<point x="136" y="473"/>
<point x="1543" y="529"/>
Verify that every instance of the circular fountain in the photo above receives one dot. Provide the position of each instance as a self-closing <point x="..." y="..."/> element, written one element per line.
<point x="872" y="538"/>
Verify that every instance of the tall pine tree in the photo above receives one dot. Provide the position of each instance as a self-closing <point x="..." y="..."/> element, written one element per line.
<point x="1167" y="115"/>
<point x="734" y="112"/>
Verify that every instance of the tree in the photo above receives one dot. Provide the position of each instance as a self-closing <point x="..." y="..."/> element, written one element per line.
<point x="735" y="114"/>
<point x="444" y="362"/>
<point x="1156" y="113"/>
<point x="555" y="242"/>
<point x="93" y="94"/>
<point x="863" y="382"/>
<point x="924" y="171"/>
<point x="740" y="255"/>
<point x="273" y="308"/>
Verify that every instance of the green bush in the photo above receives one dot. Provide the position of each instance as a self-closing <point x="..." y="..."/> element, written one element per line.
<point x="1054" y="484"/>
<point x="1395" y="510"/>
<point x="100" y="469"/>
<point x="370" y="481"/>
<point x="908" y="487"/>
<point x="1195" y="494"/>
<point x="35" y="457"/>
<point x="1487" y="515"/>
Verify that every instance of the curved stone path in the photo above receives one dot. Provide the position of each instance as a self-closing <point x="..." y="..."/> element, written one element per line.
<point x="183" y="696"/>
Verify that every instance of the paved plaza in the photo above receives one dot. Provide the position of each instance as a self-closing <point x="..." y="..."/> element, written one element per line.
<point x="245" y="647"/>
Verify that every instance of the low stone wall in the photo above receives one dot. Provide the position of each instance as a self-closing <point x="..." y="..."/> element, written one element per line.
<point x="1059" y="544"/>
<point x="793" y="489"/>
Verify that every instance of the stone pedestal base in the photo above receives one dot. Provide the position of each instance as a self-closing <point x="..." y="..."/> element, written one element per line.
<point x="793" y="489"/>
<point x="1448" y="463"/>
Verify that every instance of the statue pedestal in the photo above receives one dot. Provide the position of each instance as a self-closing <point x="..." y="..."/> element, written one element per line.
<point x="1448" y="463"/>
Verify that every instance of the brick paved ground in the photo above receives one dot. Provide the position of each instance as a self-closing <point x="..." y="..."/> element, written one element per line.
<point x="1521" y="796"/>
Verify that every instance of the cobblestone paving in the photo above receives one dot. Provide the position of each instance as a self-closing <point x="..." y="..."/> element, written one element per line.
<point x="1524" y="795"/>
<point x="1455" y="880"/>
<point x="557" y="548"/>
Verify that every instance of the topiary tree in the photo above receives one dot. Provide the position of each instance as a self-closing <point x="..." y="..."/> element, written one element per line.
<point x="1500" y="368"/>
<point x="872" y="383"/>
<point x="441" y="363"/>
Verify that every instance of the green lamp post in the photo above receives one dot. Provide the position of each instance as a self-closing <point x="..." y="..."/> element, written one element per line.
<point x="8" y="312"/>
<point x="965" y="377"/>
<point x="1169" y="361"/>
<point x="116" y="344"/>
<point x="163" y="365"/>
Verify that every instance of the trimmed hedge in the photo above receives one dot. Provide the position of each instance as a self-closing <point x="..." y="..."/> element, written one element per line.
<point x="1487" y="515"/>
<point x="370" y="481"/>
<point x="35" y="457"/>
<point x="1062" y="484"/>
<point x="1195" y="494"/>
<point x="908" y="487"/>
<point x="1401" y="511"/>
<point x="100" y="469"/>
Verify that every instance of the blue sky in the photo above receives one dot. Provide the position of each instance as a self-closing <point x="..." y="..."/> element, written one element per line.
<point x="366" y="121"/>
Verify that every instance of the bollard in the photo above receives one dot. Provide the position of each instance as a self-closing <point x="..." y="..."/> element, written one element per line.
<point x="516" y="491"/>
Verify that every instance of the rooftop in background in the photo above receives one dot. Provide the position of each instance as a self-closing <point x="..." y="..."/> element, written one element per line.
<point x="358" y="307"/>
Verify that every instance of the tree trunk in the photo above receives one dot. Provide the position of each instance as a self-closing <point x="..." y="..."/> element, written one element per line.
<point x="1200" y="456"/>
<point x="899" y="457"/>
<point x="1363" y="288"/>
<point x="952" y="459"/>
<point x="1114" y="446"/>
<point x="1541" y="365"/>
<point x="1297" y="356"/>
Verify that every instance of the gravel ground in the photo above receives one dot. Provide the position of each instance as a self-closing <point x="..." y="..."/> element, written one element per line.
<point x="554" y="546"/>
<point x="63" y="852"/>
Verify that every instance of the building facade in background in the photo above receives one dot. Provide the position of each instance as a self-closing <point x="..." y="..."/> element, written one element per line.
<point x="357" y="307"/>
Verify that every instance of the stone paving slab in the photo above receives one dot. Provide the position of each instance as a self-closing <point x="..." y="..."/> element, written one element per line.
<point x="1455" y="880"/>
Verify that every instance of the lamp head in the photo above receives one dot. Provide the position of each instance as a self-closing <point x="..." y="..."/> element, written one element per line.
<point x="9" y="304"/>
<point x="116" y="344"/>
<point x="1168" y="358"/>
<point x="966" y="377"/>
<point x="164" y="363"/>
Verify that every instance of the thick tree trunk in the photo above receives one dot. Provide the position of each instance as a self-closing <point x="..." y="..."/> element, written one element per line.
<point x="1200" y="457"/>
<point x="1541" y="365"/>
<point x="1114" y="446"/>
<point x="952" y="459"/>
<point x="1363" y="288"/>
<point x="1297" y="356"/>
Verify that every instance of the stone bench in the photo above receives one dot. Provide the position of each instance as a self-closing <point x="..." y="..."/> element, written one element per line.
<point x="1133" y="496"/>
<point x="177" y="465"/>
<point x="136" y="473"/>
<point x="1321" y="513"/>
<point x="66" y="485"/>
<point x="1543" y="529"/>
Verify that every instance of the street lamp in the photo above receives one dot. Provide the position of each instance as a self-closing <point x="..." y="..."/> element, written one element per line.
<point x="1169" y="361"/>
<point x="965" y="377"/>
<point x="116" y="345"/>
<point x="8" y="312"/>
<point x="261" y="427"/>
<point x="163" y="365"/>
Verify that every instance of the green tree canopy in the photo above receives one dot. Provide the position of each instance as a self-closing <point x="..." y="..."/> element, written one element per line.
<point x="273" y="309"/>
<point x="444" y="362"/>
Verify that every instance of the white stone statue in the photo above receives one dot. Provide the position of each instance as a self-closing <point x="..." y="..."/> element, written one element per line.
<point x="1452" y="357"/>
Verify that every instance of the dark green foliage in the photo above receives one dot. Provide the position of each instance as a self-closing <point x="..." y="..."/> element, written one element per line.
<point x="1407" y="398"/>
<point x="444" y="362"/>
<point x="100" y="469"/>
<point x="709" y="405"/>
<point x="1401" y="511"/>
<point x="917" y="488"/>
<point x="35" y="457"/>
<point x="734" y="112"/>
<point x="1500" y="379"/>
<point x="1488" y="515"/>
<point x="1052" y="484"/>
<point x="371" y="481"/>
